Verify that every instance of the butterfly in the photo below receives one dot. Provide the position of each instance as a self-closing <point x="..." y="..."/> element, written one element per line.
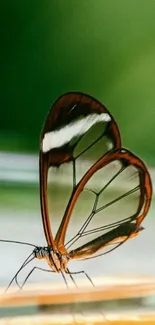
<point x="104" y="189"/>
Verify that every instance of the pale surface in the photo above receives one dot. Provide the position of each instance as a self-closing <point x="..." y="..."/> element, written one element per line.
<point x="135" y="257"/>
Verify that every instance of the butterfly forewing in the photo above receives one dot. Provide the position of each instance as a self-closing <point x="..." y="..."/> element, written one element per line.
<point x="60" y="186"/>
<point x="77" y="132"/>
<point x="92" y="146"/>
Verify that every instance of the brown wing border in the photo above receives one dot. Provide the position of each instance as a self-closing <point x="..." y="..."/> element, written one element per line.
<point x="145" y="197"/>
<point x="59" y="112"/>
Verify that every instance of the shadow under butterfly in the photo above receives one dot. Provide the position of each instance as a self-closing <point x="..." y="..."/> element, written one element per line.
<point x="107" y="188"/>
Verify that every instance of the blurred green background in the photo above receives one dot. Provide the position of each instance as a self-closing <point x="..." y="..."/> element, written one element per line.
<point x="101" y="47"/>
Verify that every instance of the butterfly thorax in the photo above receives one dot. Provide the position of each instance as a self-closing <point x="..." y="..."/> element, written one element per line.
<point x="57" y="261"/>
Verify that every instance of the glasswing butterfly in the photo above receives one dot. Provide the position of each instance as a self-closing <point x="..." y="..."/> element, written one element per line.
<point x="104" y="189"/>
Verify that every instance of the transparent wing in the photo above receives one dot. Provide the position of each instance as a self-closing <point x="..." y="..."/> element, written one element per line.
<point x="77" y="132"/>
<point x="114" y="199"/>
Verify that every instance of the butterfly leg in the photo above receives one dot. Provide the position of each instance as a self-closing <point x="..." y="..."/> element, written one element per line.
<point x="64" y="279"/>
<point x="29" y="274"/>
<point x="79" y="272"/>
<point x="70" y="274"/>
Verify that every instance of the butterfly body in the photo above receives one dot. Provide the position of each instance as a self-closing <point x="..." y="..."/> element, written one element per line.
<point x="55" y="259"/>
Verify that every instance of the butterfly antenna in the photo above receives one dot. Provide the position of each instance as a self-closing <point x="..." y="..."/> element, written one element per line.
<point x="16" y="242"/>
<point x="27" y="261"/>
<point x="16" y="276"/>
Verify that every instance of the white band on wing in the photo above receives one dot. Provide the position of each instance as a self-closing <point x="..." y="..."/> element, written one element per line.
<point x="58" y="138"/>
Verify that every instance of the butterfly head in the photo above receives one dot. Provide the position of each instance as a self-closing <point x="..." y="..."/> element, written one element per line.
<point x="41" y="252"/>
